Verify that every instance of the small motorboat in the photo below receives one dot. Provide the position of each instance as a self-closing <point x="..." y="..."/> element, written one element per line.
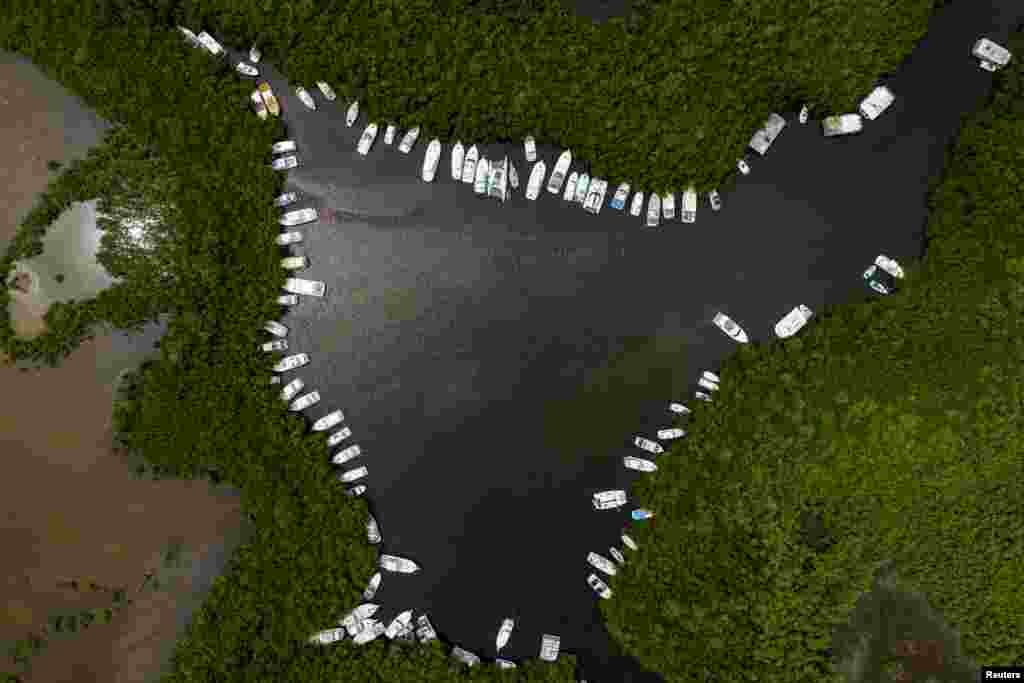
<point x="291" y="389"/>
<point x="352" y="114"/>
<point x="294" y="262"/>
<point x="355" y="491"/>
<point x="371" y="630"/>
<point x="689" y="208"/>
<point x="645" y="444"/>
<point x="727" y="325"/>
<point x="371" y="588"/>
<point x="328" y="636"/>
<point x="804" y="113"/>
<point x="507" y="664"/>
<point x="285" y="199"/>
<point x="327" y="91"/>
<point x="641" y="514"/>
<point x="638" y="204"/>
<point x="346" y="454"/>
<point x="638" y="464"/>
<point x="504" y="633"/>
<point x="595" y="196"/>
<point x="328" y="421"/>
<point x="305" y="97"/>
<point x="297" y="285"/>
<point x="715" y="199"/>
<point x="305" y="401"/>
<point x="350" y="476"/>
<point x="275" y="328"/>
<point x="844" y="124"/>
<point x="338" y="436"/>
<point x="793" y="321"/>
<point x="255" y="55"/>
<point x="872" y="106"/>
<point x="291" y="362"/>
<point x="602" y="563"/>
<point x="366" y="139"/>
<point x="513" y="177"/>
<point x="469" y="165"/>
<point x="549" y="646"/>
<point x="373" y="531"/>
<point x="536" y="180"/>
<point x="582" y="188"/>
<point x="559" y="172"/>
<point x="570" y="187"/>
<point x="599" y="586"/>
<point x="409" y="140"/>
<point x="620" y="197"/>
<point x="275" y="345"/>
<point x="389" y="134"/>
<point x="608" y="500"/>
<point x="629" y="542"/>
<point x="668" y="205"/>
<point x="283" y="147"/>
<point x="530" y="147"/>
<point x="298" y="217"/>
<point x="653" y="210"/>
<point x="480" y="178"/>
<point x="679" y="408"/>
<point x="401" y="565"/>
<point x="465" y="656"/>
<point x="424" y="629"/>
<point x="431" y="160"/>
<point x="743" y="166"/>
<point x="617" y="556"/>
<point x="247" y="70"/>
<point x="268" y="98"/>
<point x="458" y="156"/>
<point x="285" y="163"/>
<point x="765" y="136"/>
<point x="286" y="238"/>
<point x="670" y="434"/>
<point x="400" y="623"/>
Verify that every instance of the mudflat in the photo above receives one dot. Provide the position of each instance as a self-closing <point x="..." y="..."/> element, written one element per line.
<point x="70" y="508"/>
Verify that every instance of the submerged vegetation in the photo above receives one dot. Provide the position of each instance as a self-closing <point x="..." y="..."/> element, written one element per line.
<point x="895" y="424"/>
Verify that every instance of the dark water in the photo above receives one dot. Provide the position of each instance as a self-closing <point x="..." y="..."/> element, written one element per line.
<point x="493" y="360"/>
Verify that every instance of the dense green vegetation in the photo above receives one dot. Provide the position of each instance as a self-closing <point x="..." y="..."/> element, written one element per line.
<point x="897" y="422"/>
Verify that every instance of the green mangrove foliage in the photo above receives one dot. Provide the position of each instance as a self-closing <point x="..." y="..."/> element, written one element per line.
<point x="888" y="431"/>
<point x="664" y="99"/>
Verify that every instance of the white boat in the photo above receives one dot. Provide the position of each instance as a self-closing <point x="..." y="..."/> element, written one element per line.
<point x="400" y="623"/>
<point x="327" y="90"/>
<point x="346" y="454"/>
<point x="424" y="629"/>
<point x="497" y="181"/>
<point x="192" y="39"/>
<point x="207" y="41"/>
<point x="872" y="106"/>
<point x="275" y="380"/>
<point x="679" y="408"/>
<point x="291" y="362"/>
<point x="702" y="396"/>
<point x="373" y="531"/>
<point x="305" y="97"/>
<point x="366" y="139"/>
<point x="504" y="663"/>
<point x="513" y="177"/>
<point x="283" y="147"/>
<point x="638" y="464"/>
<point x="617" y="556"/>
<point x="889" y="265"/>
<point x="328" y="636"/>
<point x="804" y="113"/>
<point x="353" y="618"/>
<point x="458" y="155"/>
<point x="285" y="163"/>
<point x="285" y="199"/>
<point x="558" y="174"/>
<point x="530" y="147"/>
<point x="294" y="262"/>
<point x="668" y="206"/>
<point x="595" y="197"/>
<point x="844" y="124"/>
<point x="743" y="166"/>
<point x="298" y="217"/>
<point x="793" y="322"/>
<point x="389" y="134"/>
<point x="766" y="135"/>
<point x="621" y="195"/>
<point x="991" y="55"/>
<point x="338" y="436"/>
<point x="247" y="70"/>
<point x="275" y="345"/>
<point x="255" y="55"/>
<point x="430" y="160"/>
<point x="711" y="377"/>
<point x="275" y="328"/>
<point x="641" y="514"/>
<point x="689" y="208"/>
<point x="480" y="176"/>
<point x="305" y="401"/>
<point x="602" y="563"/>
<point x="350" y="476"/>
<point x="570" y="187"/>
<point x="715" y="199"/>
<point x="291" y="389"/>
<point x="409" y="140"/>
<point x="287" y="299"/>
<point x="273" y="106"/>
<point x="465" y="656"/>
<point x="536" y="180"/>
<point x="371" y="588"/>
<point x="352" y="114"/>
<point x="331" y="419"/>
<point x="504" y="633"/>
<point x="645" y="444"/>
<point x="653" y="210"/>
<point x="259" y="105"/>
<point x="599" y="586"/>
<point x="727" y="325"/>
<point x="295" y="285"/>
<point x="371" y="630"/>
<point x="549" y="646"/>
<point x="401" y="565"/>
<point x="638" y="204"/>
<point x="355" y="491"/>
<point x="670" y="434"/>
<point x="582" y="187"/>
<point x="469" y="165"/>
<point x="629" y="542"/>
<point x="608" y="500"/>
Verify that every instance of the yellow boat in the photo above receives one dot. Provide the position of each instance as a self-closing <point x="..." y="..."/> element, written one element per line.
<point x="269" y="99"/>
